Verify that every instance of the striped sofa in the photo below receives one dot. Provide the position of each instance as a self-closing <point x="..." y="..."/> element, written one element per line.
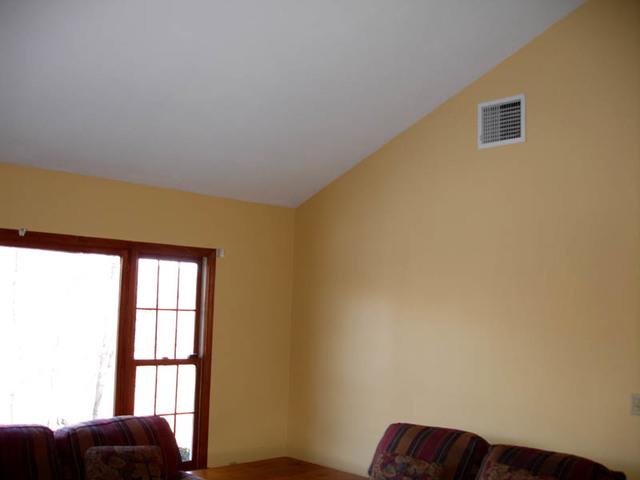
<point x="417" y="452"/>
<point x="29" y="452"/>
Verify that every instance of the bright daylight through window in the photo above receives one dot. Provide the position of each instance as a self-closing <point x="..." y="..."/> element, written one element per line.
<point x="58" y="324"/>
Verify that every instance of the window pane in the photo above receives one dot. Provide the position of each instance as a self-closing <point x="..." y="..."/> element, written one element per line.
<point x="145" y="337"/>
<point x="166" y="334"/>
<point x="172" y="420"/>
<point x="147" y="283"/>
<point x="168" y="285"/>
<point x="166" y="396"/>
<point x="58" y="330"/>
<point x="184" y="436"/>
<point x="185" y="341"/>
<point x="188" y="284"/>
<point x="186" y="388"/>
<point x="144" y="390"/>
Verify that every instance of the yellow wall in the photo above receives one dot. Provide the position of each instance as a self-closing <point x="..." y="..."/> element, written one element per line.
<point x="496" y="290"/>
<point x="250" y="382"/>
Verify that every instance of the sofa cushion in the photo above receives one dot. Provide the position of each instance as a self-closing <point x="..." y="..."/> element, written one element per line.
<point x="459" y="453"/>
<point x="72" y="442"/>
<point x="506" y="462"/>
<point x="27" y="452"/>
<point x="499" y="471"/>
<point x="143" y="462"/>
<point x="392" y="466"/>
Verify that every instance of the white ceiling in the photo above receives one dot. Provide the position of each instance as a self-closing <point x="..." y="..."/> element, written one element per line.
<point x="260" y="100"/>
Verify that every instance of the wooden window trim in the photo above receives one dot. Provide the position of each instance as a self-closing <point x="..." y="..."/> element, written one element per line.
<point x="129" y="251"/>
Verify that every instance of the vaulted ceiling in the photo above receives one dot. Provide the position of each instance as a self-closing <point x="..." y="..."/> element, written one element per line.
<point x="260" y="100"/>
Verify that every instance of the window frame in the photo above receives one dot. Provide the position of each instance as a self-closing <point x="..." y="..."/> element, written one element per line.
<point x="130" y="252"/>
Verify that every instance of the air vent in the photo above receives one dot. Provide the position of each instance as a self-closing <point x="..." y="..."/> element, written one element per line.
<point x="501" y="122"/>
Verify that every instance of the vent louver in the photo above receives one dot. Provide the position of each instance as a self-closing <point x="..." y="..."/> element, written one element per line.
<point x="501" y="122"/>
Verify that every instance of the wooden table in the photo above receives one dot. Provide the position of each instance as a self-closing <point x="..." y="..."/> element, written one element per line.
<point x="281" y="468"/>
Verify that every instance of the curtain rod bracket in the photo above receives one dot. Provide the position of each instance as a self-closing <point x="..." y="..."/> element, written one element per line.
<point x="22" y="232"/>
<point x="220" y="252"/>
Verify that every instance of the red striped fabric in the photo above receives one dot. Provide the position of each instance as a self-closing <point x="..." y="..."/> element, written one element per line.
<point x="543" y="463"/>
<point x="27" y="453"/>
<point x="460" y="453"/>
<point x="72" y="442"/>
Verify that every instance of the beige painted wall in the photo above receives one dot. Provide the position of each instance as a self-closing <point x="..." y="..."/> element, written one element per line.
<point x="253" y="284"/>
<point x="497" y="290"/>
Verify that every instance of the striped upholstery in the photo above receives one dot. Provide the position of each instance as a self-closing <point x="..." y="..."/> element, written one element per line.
<point x="460" y="453"/>
<point x="72" y="442"/>
<point x="27" y="453"/>
<point x="542" y="463"/>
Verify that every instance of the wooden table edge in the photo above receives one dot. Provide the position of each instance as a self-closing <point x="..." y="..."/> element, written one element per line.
<point x="277" y="468"/>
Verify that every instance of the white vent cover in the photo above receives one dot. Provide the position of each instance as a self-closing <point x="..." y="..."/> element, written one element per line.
<point x="501" y="122"/>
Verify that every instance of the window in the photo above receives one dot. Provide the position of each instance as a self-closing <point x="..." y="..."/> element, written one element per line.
<point x="63" y="342"/>
<point x="123" y="328"/>
<point x="165" y="350"/>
